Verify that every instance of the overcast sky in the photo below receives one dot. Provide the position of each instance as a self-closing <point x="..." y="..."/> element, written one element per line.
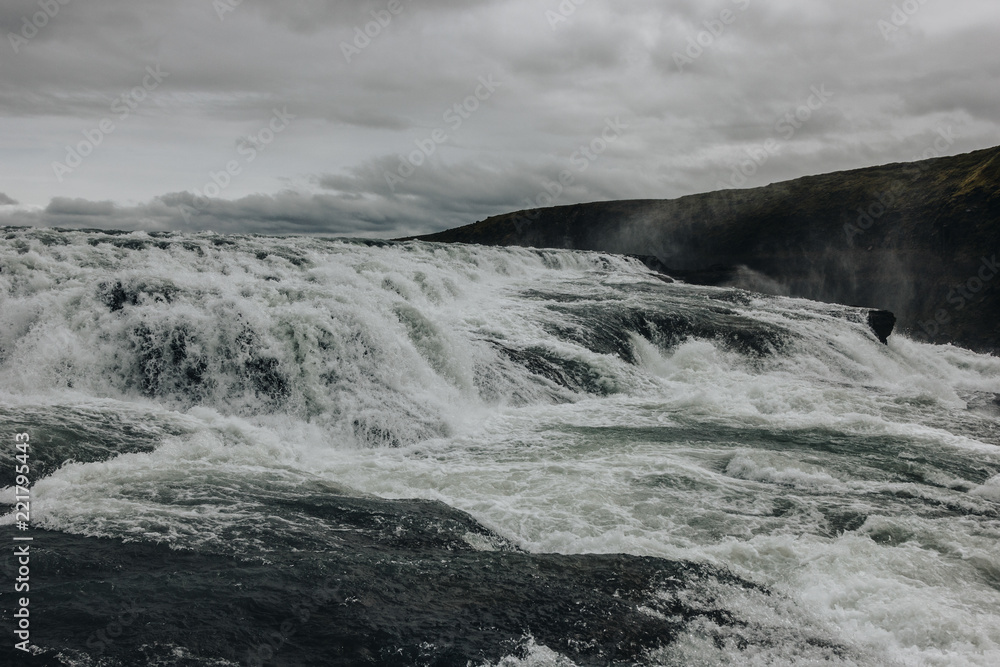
<point x="128" y="113"/>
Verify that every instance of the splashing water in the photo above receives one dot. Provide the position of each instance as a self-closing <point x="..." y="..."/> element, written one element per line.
<point x="185" y="386"/>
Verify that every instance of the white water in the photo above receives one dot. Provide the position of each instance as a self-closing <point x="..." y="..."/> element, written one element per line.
<point x="862" y="481"/>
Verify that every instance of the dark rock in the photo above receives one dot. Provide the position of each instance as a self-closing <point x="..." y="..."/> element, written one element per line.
<point x="882" y="323"/>
<point x="653" y="264"/>
<point x="714" y="275"/>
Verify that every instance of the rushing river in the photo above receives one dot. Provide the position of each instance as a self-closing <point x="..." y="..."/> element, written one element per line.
<point x="252" y="450"/>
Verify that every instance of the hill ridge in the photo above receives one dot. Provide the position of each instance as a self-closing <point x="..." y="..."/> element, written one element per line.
<point x="917" y="238"/>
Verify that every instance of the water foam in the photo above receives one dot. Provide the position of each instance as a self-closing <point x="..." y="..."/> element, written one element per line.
<point x="848" y="475"/>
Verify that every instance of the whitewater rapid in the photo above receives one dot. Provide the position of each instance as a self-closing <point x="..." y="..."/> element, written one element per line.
<point x="572" y="402"/>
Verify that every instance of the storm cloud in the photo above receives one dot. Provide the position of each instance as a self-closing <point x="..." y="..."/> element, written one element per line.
<point x="396" y="117"/>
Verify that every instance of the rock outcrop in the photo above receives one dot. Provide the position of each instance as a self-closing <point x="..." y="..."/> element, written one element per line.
<point x="882" y="323"/>
<point x="919" y="239"/>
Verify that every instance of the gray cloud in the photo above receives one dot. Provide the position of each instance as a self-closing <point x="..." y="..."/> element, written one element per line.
<point x="6" y="200"/>
<point x="281" y="213"/>
<point x="561" y="80"/>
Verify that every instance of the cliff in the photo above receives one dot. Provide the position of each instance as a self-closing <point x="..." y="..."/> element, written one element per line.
<point x="920" y="239"/>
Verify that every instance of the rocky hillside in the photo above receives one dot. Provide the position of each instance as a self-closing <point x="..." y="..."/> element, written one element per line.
<point x="920" y="239"/>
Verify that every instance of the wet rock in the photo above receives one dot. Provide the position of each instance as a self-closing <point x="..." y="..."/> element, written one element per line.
<point x="654" y="264"/>
<point x="882" y="323"/>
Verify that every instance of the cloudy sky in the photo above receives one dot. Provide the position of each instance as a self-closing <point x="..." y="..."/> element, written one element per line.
<point x="396" y="117"/>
